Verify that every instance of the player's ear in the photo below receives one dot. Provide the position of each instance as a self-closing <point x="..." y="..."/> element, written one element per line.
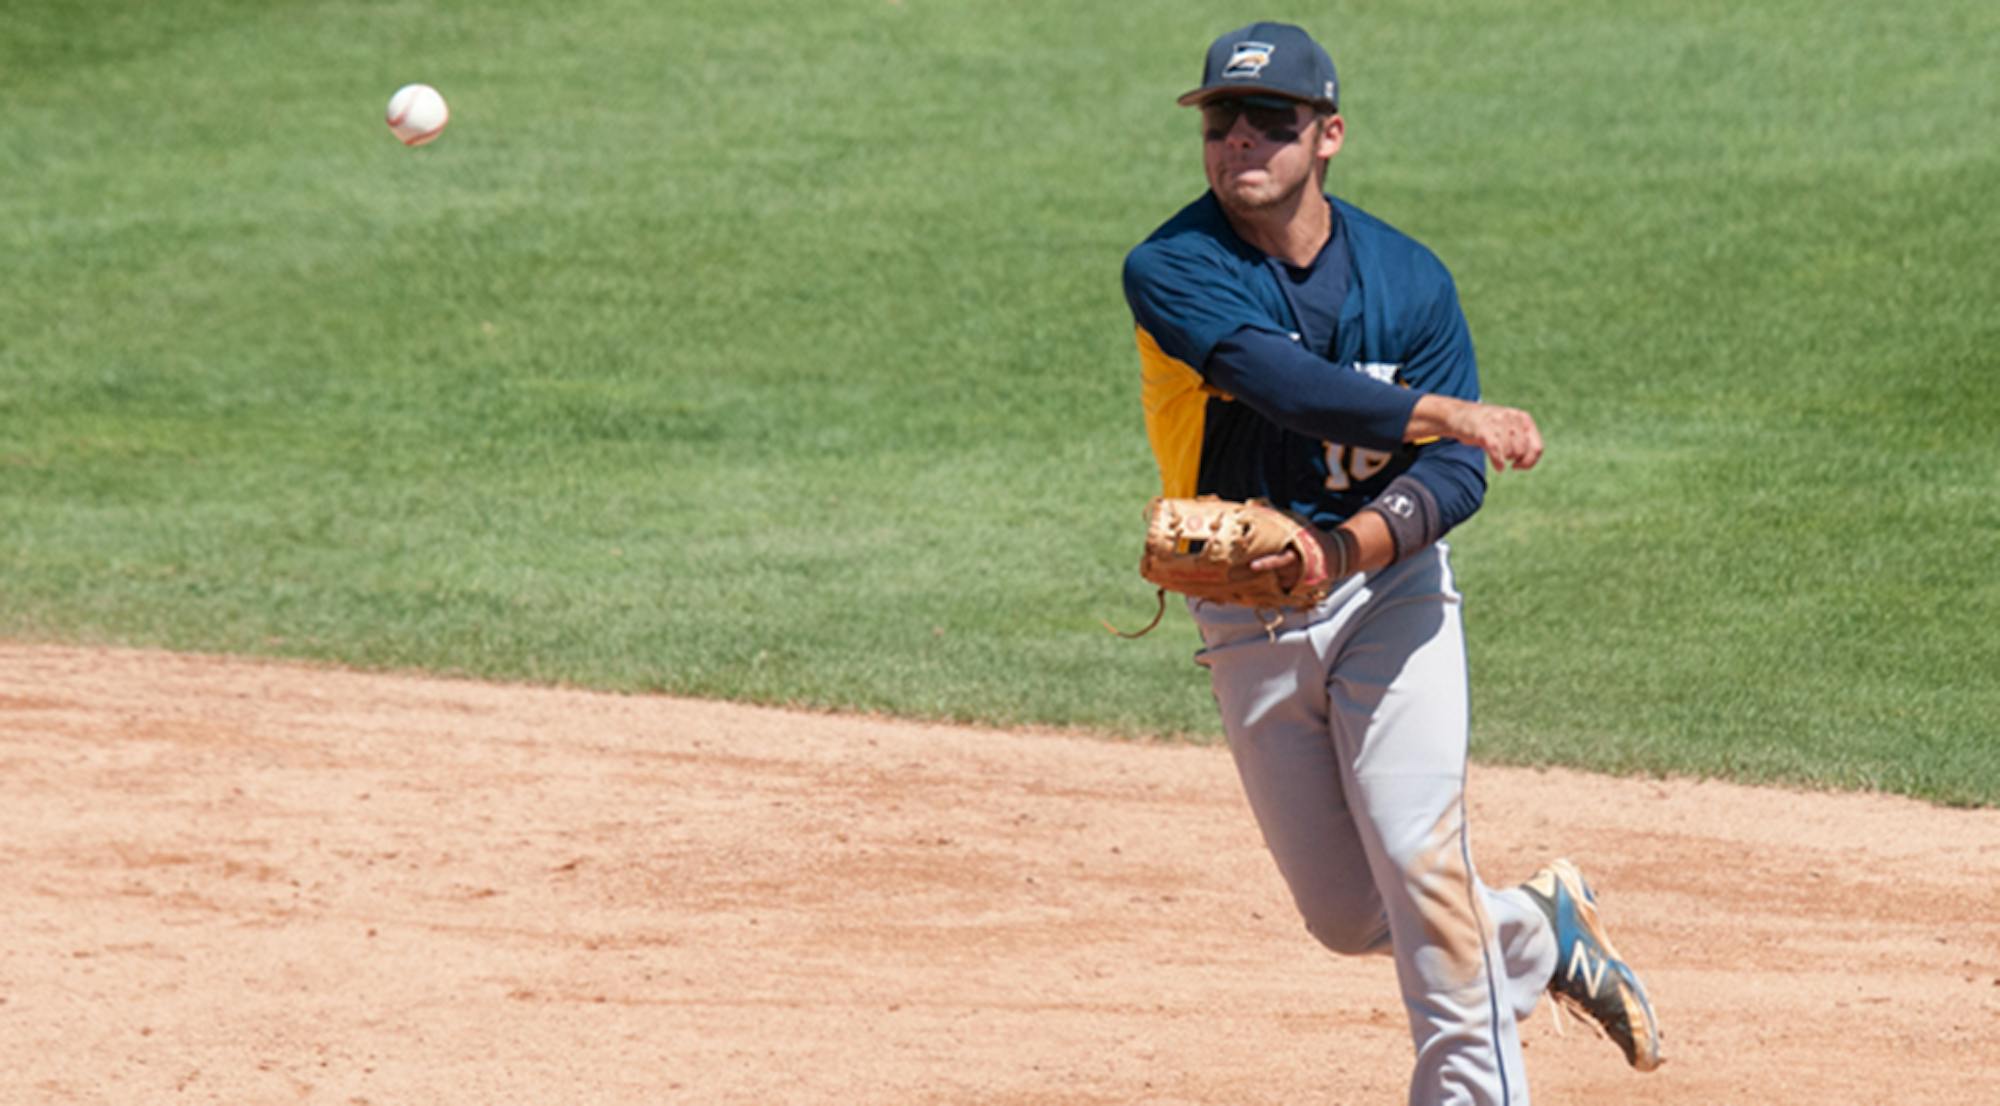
<point x="1332" y="130"/>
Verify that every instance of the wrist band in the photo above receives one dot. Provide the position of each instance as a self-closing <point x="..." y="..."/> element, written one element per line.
<point x="1411" y="512"/>
<point x="1340" y="542"/>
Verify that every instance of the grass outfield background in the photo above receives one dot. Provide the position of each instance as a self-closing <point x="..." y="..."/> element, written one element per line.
<point x="775" y="352"/>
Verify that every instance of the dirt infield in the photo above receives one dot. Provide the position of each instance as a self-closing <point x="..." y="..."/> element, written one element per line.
<point x="235" y="882"/>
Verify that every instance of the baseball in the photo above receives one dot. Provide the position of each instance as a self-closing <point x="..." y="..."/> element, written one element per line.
<point x="417" y="114"/>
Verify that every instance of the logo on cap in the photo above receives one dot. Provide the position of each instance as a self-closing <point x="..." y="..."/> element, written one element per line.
<point x="1248" y="59"/>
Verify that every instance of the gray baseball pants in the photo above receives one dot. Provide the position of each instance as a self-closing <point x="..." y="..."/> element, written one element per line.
<point x="1348" y="724"/>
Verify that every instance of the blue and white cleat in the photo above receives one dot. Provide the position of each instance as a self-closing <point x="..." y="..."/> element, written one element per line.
<point x="1591" y="980"/>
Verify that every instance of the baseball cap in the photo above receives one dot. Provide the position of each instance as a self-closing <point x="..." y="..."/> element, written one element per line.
<point x="1271" y="59"/>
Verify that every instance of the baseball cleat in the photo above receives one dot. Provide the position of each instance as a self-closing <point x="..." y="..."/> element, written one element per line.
<point x="1591" y="980"/>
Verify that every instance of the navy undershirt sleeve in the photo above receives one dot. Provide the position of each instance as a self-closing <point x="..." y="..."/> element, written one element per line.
<point x="1307" y="394"/>
<point x="1455" y="474"/>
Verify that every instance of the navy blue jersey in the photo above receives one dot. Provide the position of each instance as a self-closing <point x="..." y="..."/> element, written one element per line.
<point x="1194" y="287"/>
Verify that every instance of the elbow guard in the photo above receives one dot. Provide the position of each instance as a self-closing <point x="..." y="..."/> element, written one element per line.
<point x="1412" y="514"/>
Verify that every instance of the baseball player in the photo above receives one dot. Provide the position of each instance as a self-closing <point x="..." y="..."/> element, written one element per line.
<point x="1297" y="349"/>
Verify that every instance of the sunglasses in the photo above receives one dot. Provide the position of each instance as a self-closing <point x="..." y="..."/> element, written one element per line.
<point x="1278" y="124"/>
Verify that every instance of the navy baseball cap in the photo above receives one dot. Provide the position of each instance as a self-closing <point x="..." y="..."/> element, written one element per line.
<point x="1268" y="59"/>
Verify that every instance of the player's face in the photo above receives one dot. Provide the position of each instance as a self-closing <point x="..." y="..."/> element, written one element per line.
<point x="1259" y="158"/>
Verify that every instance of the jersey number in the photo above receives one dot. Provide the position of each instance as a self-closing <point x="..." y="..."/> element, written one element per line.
<point x="1347" y="466"/>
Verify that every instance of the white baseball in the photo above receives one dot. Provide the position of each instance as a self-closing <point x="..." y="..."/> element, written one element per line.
<point x="417" y="114"/>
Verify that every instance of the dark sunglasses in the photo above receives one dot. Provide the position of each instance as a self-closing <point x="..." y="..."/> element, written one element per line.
<point x="1279" y="124"/>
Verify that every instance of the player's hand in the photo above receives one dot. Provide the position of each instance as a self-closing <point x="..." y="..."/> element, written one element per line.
<point x="1285" y="564"/>
<point x="1362" y="545"/>
<point x="1507" y="434"/>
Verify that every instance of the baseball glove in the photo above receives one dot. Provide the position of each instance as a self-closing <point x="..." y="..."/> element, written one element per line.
<point x="1203" y="548"/>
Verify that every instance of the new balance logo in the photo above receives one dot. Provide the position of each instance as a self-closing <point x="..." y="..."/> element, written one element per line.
<point x="1579" y="964"/>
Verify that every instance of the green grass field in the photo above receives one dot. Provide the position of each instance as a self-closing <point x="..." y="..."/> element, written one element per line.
<point x="775" y="352"/>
